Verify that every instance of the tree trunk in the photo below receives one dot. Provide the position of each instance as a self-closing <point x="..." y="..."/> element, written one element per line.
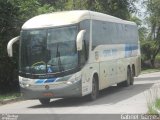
<point x="152" y="60"/>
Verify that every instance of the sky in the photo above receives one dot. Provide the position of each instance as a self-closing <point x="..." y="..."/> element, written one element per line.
<point x="142" y="12"/>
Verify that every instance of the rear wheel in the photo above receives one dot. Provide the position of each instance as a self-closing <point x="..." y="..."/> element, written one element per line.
<point x="121" y="84"/>
<point x="95" y="91"/>
<point x="45" y="101"/>
<point x="129" y="77"/>
<point x="129" y="80"/>
<point x="132" y="77"/>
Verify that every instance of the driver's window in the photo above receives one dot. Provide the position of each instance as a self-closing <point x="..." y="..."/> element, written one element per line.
<point x="83" y="53"/>
<point x="85" y="25"/>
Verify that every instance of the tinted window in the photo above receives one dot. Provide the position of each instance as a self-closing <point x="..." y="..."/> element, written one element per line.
<point x="85" y="25"/>
<point x="113" y="33"/>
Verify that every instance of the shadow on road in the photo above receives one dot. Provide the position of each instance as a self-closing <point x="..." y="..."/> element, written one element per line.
<point x="111" y="95"/>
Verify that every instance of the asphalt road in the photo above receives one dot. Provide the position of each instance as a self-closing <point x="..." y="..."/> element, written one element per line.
<point x="112" y="100"/>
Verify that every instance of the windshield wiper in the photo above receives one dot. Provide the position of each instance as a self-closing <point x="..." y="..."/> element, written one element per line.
<point x="59" y="59"/>
<point x="52" y="64"/>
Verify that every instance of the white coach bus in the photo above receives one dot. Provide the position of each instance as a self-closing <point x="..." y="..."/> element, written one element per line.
<point x="76" y="53"/>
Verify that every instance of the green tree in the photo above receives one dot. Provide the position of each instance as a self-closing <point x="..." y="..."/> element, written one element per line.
<point x="118" y="8"/>
<point x="13" y="14"/>
<point x="149" y="51"/>
<point x="143" y="31"/>
<point x="154" y="23"/>
<point x="8" y="29"/>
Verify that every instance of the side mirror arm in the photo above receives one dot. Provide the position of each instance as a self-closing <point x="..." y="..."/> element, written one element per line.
<point x="10" y="44"/>
<point x="79" y="40"/>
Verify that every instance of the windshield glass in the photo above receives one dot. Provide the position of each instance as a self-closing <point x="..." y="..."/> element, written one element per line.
<point x="48" y="51"/>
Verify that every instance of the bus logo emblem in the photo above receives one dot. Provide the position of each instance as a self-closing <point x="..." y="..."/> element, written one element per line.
<point x="49" y="70"/>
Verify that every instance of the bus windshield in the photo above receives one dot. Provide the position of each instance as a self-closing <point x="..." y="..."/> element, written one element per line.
<point x="48" y="51"/>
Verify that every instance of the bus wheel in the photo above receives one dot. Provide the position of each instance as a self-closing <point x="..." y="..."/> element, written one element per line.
<point x="94" y="93"/>
<point x="127" y="82"/>
<point x="132" y="78"/>
<point x="44" y="101"/>
<point x="129" y="77"/>
<point x="121" y="84"/>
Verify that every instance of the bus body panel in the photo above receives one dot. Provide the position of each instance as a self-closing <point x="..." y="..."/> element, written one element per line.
<point x="88" y="72"/>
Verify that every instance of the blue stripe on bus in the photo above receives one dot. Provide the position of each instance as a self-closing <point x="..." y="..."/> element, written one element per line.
<point x="41" y="81"/>
<point x="50" y="80"/>
<point x="129" y="48"/>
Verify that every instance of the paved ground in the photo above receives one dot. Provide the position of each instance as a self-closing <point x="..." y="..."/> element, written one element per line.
<point x="113" y="100"/>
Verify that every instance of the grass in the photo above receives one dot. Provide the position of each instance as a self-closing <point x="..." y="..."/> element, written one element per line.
<point x="151" y="107"/>
<point x="153" y="99"/>
<point x="9" y="96"/>
<point x="157" y="103"/>
<point x="150" y="70"/>
<point x="151" y="110"/>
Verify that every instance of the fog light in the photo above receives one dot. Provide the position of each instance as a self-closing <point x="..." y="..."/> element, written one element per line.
<point x="28" y="85"/>
<point x="69" y="82"/>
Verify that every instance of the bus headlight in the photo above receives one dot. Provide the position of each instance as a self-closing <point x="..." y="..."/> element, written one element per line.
<point x="74" y="80"/>
<point x="24" y="85"/>
<point x="27" y="85"/>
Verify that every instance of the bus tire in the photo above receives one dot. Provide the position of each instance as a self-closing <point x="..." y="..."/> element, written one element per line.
<point x="132" y="79"/>
<point x="95" y="91"/>
<point x="127" y="82"/>
<point x="44" y="101"/>
<point x="121" y="84"/>
<point x="129" y="77"/>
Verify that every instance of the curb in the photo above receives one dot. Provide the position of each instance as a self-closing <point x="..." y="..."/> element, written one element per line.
<point x="6" y="101"/>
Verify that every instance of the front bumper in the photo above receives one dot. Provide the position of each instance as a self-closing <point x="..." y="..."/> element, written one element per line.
<point x="64" y="91"/>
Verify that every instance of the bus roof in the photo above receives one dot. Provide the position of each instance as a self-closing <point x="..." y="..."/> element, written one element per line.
<point x="68" y="18"/>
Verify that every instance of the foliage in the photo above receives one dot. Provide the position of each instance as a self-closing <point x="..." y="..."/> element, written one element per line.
<point x="9" y="96"/>
<point x="8" y="29"/>
<point x="149" y="70"/>
<point x="31" y="8"/>
<point x="149" y="49"/>
<point x="155" y="107"/>
<point x="153" y="10"/>
<point x="13" y="14"/>
<point x="118" y="8"/>
<point x="143" y="33"/>
<point x="157" y="103"/>
<point x="142" y="30"/>
<point x="154" y="22"/>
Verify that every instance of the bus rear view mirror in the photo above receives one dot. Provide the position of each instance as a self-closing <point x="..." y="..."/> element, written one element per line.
<point x="79" y="40"/>
<point x="10" y="44"/>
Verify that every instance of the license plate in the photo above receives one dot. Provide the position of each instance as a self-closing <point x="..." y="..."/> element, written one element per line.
<point x="48" y="94"/>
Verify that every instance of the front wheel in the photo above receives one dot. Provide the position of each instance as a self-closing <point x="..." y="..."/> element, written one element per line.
<point x="95" y="91"/>
<point x="44" y="101"/>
